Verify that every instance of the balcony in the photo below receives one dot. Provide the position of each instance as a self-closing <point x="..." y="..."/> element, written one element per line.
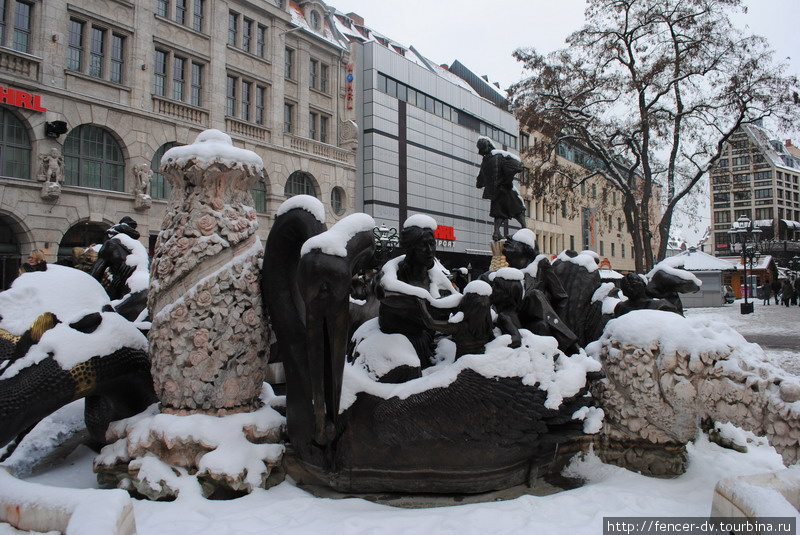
<point x="245" y="129"/>
<point x="180" y="110"/>
<point x="321" y="150"/>
<point x="19" y="64"/>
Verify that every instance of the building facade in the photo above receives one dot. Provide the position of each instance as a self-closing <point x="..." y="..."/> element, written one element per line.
<point x="95" y="91"/>
<point x="758" y="178"/>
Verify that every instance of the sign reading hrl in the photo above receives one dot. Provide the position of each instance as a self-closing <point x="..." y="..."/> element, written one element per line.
<point x="21" y="99"/>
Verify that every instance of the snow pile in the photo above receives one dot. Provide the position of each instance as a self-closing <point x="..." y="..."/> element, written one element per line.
<point x="538" y="363"/>
<point x="421" y="221"/>
<point x="379" y="353"/>
<point x="211" y="147"/>
<point x="238" y="450"/>
<point x="334" y="241"/>
<point x="68" y="293"/>
<point x="308" y="203"/>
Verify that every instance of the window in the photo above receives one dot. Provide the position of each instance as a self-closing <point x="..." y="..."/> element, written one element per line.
<point x="96" y="46"/>
<point x="572" y="242"/>
<point x="233" y="27"/>
<point x="160" y="73"/>
<point x="180" y="11"/>
<point x="288" y="62"/>
<point x="323" y="78"/>
<point x="159" y="185"/>
<point x="260" y="196"/>
<point x="171" y="73"/>
<point x="17" y="15"/>
<point x="247" y="95"/>
<point x="106" y="50"/>
<point x="75" y="55"/>
<point x="722" y="217"/>
<point x="315" y="21"/>
<point x="162" y="8"/>
<point x="187" y="12"/>
<point x="602" y="248"/>
<point x="288" y="113"/>
<point x="15" y="146"/>
<point x="178" y="82"/>
<point x="594" y="191"/>
<point x="323" y="128"/>
<point x="338" y="200"/>
<point x="313" y="69"/>
<point x="93" y="158"/>
<point x="247" y="34"/>
<point x="613" y="253"/>
<point x="300" y="183"/>
<point x="764" y="213"/>
<point x="619" y="224"/>
<point x="763" y="193"/>
<point x="197" y="85"/>
<point x="261" y="99"/>
<point x="622" y="250"/>
<point x="230" y="96"/>
<point x="261" y="41"/>
<point x="312" y="125"/>
<point x="197" y="16"/>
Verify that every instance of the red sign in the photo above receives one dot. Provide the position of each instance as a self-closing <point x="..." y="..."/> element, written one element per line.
<point x="443" y="232"/>
<point x="605" y="264"/>
<point x="21" y="99"/>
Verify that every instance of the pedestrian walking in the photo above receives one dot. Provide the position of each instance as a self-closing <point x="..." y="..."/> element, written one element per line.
<point x="797" y="290"/>
<point x="766" y="293"/>
<point x="776" y="290"/>
<point x="787" y="292"/>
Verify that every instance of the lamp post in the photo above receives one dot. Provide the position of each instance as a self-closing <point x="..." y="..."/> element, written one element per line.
<point x="794" y="266"/>
<point x="386" y="241"/>
<point x="745" y="236"/>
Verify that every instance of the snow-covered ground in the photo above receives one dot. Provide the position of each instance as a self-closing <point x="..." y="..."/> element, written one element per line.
<point x="609" y="491"/>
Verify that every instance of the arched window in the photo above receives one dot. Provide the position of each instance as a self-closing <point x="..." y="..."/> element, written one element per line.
<point x="15" y="146"/>
<point x="338" y="200"/>
<point x="159" y="185"/>
<point x="81" y="234"/>
<point x="93" y="158"/>
<point x="260" y="195"/>
<point x="300" y="183"/>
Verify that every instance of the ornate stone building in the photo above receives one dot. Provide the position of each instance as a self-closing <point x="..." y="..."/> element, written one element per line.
<point x="93" y="92"/>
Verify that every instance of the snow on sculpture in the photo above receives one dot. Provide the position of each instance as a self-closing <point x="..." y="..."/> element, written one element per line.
<point x="665" y="373"/>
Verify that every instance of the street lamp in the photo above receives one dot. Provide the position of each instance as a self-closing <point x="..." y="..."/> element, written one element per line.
<point x="744" y="236"/>
<point x="386" y="241"/>
<point x="794" y="265"/>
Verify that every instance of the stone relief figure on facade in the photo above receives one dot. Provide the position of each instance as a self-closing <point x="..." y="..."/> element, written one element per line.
<point x="496" y="177"/>
<point x="142" y="174"/>
<point x="51" y="166"/>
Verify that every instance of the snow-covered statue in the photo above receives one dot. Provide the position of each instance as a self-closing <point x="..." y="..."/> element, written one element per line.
<point x="123" y="267"/>
<point x="634" y="289"/>
<point x="61" y="340"/>
<point x="668" y="279"/>
<point x="488" y="406"/>
<point x="545" y="302"/>
<point x="496" y="177"/>
<point x="414" y="280"/>
<point x="142" y="175"/>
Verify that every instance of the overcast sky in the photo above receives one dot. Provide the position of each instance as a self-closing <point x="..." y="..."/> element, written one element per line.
<point x="483" y="34"/>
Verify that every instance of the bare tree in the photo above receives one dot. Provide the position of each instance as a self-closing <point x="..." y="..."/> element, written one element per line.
<point x="652" y="90"/>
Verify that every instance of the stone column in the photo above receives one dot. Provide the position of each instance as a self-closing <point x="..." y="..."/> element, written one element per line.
<point x="207" y="340"/>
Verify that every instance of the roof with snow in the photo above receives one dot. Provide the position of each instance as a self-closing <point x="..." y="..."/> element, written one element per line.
<point x="774" y="150"/>
<point x="700" y="261"/>
<point x="736" y="262"/>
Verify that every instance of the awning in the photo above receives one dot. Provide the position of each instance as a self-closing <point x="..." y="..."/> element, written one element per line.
<point x="791" y="225"/>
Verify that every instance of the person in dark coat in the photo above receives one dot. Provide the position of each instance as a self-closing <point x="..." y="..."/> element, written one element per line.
<point x="787" y="292"/>
<point x="776" y="290"/>
<point x="796" y="290"/>
<point x="766" y="293"/>
<point x="35" y="262"/>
